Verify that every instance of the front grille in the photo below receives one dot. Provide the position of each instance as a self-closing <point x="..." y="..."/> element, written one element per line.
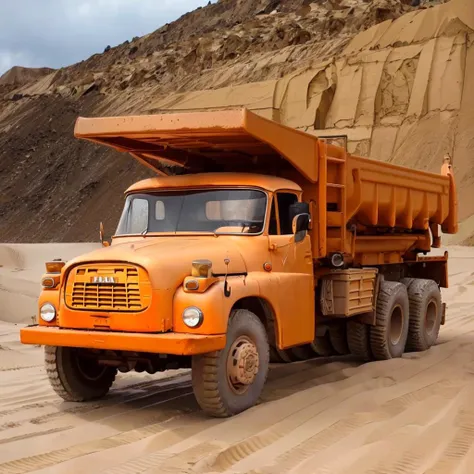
<point x="124" y="294"/>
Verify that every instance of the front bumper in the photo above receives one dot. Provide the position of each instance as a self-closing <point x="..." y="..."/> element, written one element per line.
<point x="168" y="343"/>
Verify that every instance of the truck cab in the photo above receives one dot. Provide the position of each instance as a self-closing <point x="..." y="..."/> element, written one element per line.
<point x="202" y="242"/>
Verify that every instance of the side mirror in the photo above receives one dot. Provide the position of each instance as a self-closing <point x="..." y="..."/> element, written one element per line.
<point x="300" y="226"/>
<point x="298" y="208"/>
<point x="101" y="236"/>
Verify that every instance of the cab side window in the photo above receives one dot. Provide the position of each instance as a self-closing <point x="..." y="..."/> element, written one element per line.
<point x="285" y="201"/>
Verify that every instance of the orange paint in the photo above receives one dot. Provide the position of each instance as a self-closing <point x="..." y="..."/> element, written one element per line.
<point x="179" y="344"/>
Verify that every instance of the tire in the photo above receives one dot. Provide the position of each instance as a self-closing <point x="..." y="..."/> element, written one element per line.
<point x="425" y="313"/>
<point x="358" y="340"/>
<point x="275" y="357"/>
<point x="304" y="352"/>
<point x="338" y="338"/>
<point x="76" y="378"/>
<point x="389" y="336"/>
<point x="322" y="346"/>
<point x="281" y="356"/>
<point x="219" y="395"/>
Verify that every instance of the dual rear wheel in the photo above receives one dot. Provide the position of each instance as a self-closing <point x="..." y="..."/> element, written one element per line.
<point x="408" y="319"/>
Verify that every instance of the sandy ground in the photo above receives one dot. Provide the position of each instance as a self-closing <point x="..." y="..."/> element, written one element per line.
<point x="410" y="415"/>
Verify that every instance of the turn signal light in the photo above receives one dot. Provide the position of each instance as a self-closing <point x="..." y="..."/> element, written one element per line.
<point x="201" y="268"/>
<point x="54" y="267"/>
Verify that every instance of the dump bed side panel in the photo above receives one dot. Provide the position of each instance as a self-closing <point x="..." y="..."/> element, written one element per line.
<point x="386" y="211"/>
<point x="383" y="195"/>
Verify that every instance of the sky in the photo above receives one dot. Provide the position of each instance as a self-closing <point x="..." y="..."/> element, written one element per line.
<point x="57" y="33"/>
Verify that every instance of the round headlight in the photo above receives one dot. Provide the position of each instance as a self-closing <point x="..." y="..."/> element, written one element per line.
<point x="47" y="312"/>
<point x="192" y="317"/>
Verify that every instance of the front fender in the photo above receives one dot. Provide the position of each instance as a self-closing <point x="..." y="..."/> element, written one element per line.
<point x="215" y="306"/>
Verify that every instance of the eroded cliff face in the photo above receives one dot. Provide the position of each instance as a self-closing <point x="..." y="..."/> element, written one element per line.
<point x="394" y="78"/>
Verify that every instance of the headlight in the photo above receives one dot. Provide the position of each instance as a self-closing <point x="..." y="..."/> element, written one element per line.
<point x="47" y="312"/>
<point x="192" y="317"/>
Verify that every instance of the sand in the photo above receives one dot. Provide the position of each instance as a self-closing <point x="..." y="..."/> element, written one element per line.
<point x="409" y="415"/>
<point x="19" y="76"/>
<point x="21" y="268"/>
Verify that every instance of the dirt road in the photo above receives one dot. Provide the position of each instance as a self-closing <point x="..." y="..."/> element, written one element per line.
<point x="411" y="415"/>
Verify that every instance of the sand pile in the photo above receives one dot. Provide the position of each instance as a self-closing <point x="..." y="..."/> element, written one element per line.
<point x="21" y="268"/>
<point x="19" y="76"/>
<point x="394" y="78"/>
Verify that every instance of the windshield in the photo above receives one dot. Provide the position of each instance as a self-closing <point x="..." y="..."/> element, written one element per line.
<point x="233" y="211"/>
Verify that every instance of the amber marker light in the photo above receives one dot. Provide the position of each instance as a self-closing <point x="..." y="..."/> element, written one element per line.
<point x="54" y="267"/>
<point x="201" y="268"/>
<point x="48" y="282"/>
<point x="192" y="285"/>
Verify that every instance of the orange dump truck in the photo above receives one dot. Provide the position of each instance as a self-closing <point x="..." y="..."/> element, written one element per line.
<point x="273" y="245"/>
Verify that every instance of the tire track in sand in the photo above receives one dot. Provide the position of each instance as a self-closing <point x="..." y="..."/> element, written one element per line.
<point x="161" y="437"/>
<point x="327" y="437"/>
<point x="275" y="421"/>
<point x="51" y="458"/>
<point x="406" y="444"/>
<point x="338" y="430"/>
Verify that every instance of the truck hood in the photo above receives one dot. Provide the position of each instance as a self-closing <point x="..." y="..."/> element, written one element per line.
<point x="168" y="259"/>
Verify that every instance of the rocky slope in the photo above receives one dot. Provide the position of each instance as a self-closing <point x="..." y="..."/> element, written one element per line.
<point x="389" y="75"/>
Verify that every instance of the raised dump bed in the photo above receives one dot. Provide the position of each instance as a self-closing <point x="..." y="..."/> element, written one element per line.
<point x="354" y="200"/>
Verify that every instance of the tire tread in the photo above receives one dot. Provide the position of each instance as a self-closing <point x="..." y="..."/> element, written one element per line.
<point x="59" y="379"/>
<point x="379" y="343"/>
<point x="207" y="392"/>
<point x="417" y="288"/>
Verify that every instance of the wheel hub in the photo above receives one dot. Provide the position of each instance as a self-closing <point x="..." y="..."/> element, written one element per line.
<point x="243" y="362"/>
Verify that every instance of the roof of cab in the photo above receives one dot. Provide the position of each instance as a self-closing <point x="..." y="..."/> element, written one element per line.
<point x="268" y="183"/>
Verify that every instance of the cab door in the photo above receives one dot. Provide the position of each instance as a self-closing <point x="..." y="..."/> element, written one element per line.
<point x="292" y="265"/>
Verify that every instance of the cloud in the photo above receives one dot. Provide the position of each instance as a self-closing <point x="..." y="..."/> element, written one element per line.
<point x="56" y="33"/>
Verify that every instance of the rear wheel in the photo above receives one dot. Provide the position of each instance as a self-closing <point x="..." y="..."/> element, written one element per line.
<point x="275" y="357"/>
<point x="425" y="313"/>
<point x="75" y="376"/>
<point x="322" y="345"/>
<point x="389" y="336"/>
<point x="281" y="355"/>
<point x="304" y="352"/>
<point x="230" y="381"/>
<point x="358" y="340"/>
<point x="338" y="338"/>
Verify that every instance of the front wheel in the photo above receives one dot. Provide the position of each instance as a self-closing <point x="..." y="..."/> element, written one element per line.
<point x="75" y="375"/>
<point x="229" y="381"/>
